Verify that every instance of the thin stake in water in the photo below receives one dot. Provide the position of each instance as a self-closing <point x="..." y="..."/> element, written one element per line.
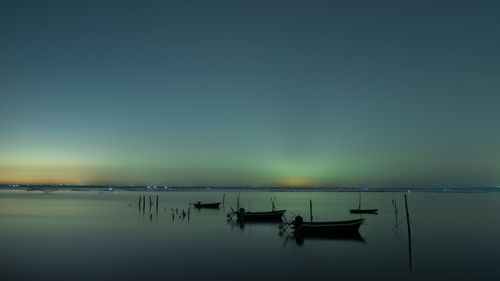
<point x="311" y="209"/>
<point x="409" y="232"/>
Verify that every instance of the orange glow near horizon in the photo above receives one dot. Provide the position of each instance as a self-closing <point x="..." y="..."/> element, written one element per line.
<point x="296" y="182"/>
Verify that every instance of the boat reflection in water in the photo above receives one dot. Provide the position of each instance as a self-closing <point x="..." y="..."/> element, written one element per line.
<point x="354" y="237"/>
<point x="241" y="224"/>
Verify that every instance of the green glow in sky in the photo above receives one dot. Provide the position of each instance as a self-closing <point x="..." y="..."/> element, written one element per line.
<point x="313" y="93"/>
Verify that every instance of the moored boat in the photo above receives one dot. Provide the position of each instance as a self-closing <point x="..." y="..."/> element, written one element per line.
<point x="271" y="216"/>
<point x="363" y="211"/>
<point x="200" y="205"/>
<point x="338" y="228"/>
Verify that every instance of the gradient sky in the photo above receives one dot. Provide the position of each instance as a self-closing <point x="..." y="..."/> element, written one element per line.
<point x="244" y="93"/>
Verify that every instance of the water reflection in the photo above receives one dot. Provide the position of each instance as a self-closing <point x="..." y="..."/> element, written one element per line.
<point x="234" y="223"/>
<point x="356" y="237"/>
<point x="299" y="239"/>
<point x="93" y="236"/>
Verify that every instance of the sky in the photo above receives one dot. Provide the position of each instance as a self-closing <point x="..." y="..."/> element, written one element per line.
<point x="250" y="93"/>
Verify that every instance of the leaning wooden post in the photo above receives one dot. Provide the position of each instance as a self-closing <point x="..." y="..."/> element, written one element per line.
<point x="311" y="209"/>
<point x="409" y="232"/>
<point x="140" y="203"/>
<point x="143" y="203"/>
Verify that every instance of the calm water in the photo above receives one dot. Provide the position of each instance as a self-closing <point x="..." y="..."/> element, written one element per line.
<point x="85" y="235"/>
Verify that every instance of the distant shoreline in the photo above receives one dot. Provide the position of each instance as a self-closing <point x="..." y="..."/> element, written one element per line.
<point x="162" y="188"/>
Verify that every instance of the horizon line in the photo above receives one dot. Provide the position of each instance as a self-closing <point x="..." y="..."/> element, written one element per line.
<point x="180" y="186"/>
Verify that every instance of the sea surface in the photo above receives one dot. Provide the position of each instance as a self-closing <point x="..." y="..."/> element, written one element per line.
<point x="104" y="235"/>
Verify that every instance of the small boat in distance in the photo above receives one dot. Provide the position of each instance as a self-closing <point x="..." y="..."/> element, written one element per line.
<point x="200" y="205"/>
<point x="362" y="211"/>
<point x="271" y="216"/>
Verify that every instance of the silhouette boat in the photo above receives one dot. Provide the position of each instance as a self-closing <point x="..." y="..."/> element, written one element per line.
<point x="243" y="216"/>
<point x="200" y="205"/>
<point x="271" y="216"/>
<point x="362" y="211"/>
<point x="346" y="228"/>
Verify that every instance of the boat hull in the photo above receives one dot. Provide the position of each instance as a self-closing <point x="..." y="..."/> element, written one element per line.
<point x="333" y="228"/>
<point x="207" y="205"/>
<point x="273" y="216"/>
<point x="363" y="211"/>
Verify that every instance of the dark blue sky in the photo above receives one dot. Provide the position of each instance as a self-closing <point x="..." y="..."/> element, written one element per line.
<point x="342" y="93"/>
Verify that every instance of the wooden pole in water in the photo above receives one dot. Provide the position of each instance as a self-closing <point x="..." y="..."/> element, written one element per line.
<point x="140" y="203"/>
<point x="409" y="232"/>
<point x="311" y="209"/>
<point x="395" y="212"/>
<point x="359" y="201"/>
<point x="157" y="205"/>
<point x="143" y="206"/>
<point x="150" y="203"/>
<point x="223" y="198"/>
